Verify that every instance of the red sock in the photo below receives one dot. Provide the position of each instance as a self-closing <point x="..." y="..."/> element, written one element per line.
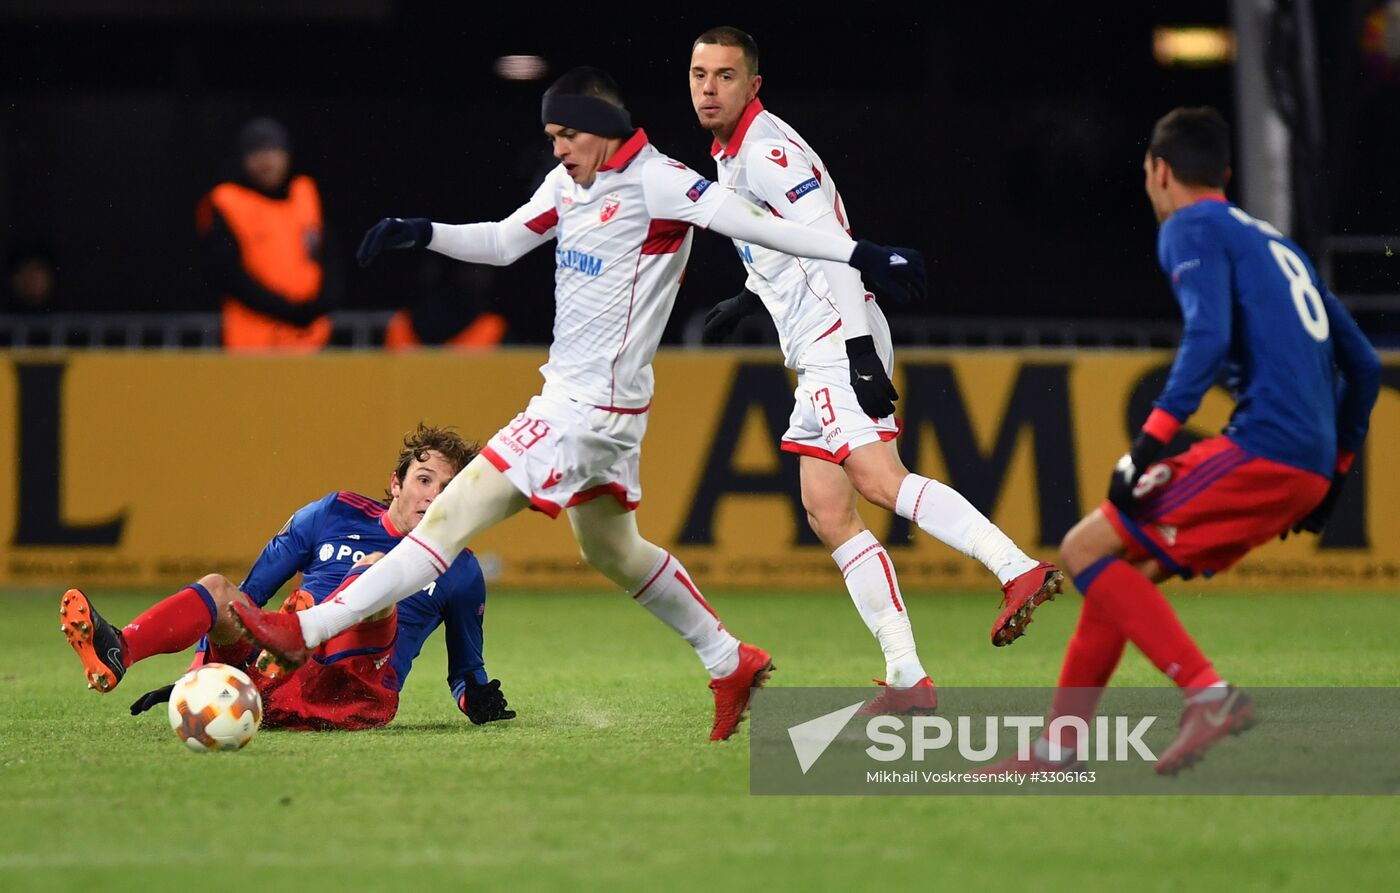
<point x="170" y="625"/>
<point x="1146" y="618"/>
<point x="1093" y="654"/>
<point x="234" y="654"/>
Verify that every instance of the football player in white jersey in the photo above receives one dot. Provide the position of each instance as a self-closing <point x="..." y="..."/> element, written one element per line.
<point x="834" y="335"/>
<point x="620" y="213"/>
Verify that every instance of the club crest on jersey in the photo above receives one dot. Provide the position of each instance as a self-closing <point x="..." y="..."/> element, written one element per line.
<point x="802" y="189"/>
<point x="609" y="209"/>
<point x="777" y="156"/>
<point x="697" y="190"/>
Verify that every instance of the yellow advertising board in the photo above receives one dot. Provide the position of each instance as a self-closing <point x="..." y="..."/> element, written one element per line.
<point x="150" y="469"/>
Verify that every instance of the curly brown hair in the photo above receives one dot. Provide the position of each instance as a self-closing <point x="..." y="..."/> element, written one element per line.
<point x="418" y="442"/>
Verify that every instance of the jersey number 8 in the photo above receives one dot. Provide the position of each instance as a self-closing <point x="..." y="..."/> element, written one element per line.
<point x="1306" y="298"/>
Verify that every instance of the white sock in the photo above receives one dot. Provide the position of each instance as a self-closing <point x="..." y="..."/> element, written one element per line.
<point x="943" y="513"/>
<point x="668" y="592"/>
<point x="1216" y="691"/>
<point x="1041" y="750"/>
<point x="407" y="568"/>
<point x="870" y="579"/>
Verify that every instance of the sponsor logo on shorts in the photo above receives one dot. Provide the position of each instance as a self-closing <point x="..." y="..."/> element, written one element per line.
<point x="802" y="189"/>
<point x="1168" y="532"/>
<point x="554" y="478"/>
<point x="697" y="190"/>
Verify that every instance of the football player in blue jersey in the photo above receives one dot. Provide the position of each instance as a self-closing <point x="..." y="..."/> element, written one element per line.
<point x="1304" y="379"/>
<point x="355" y="680"/>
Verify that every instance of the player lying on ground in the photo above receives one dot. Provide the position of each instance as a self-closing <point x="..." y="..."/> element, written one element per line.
<point x="842" y="426"/>
<point x="1253" y="308"/>
<point x="621" y="213"/>
<point x="356" y="677"/>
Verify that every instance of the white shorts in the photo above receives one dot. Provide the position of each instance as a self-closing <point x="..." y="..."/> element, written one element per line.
<point x="827" y="421"/>
<point x="560" y="452"/>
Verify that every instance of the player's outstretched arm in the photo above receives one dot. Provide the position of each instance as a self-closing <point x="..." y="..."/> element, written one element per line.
<point x="392" y="234"/>
<point x="893" y="269"/>
<point x="497" y="243"/>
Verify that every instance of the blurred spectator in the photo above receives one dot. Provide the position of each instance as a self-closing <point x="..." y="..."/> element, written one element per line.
<point x="31" y="279"/>
<point x="262" y="247"/>
<point x="453" y="309"/>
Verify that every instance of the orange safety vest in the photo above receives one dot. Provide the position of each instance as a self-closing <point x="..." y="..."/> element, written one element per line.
<point x="485" y="332"/>
<point x="277" y="238"/>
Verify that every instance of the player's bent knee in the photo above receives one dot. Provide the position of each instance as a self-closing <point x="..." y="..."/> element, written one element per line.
<point x="1088" y="541"/>
<point x="834" y="526"/>
<point x="877" y="482"/>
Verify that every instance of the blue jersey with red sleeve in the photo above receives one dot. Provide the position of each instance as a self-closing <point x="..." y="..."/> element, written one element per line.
<point x="323" y="540"/>
<point x="1303" y="376"/>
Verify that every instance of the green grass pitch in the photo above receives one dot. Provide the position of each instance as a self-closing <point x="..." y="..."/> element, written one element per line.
<point x="606" y="781"/>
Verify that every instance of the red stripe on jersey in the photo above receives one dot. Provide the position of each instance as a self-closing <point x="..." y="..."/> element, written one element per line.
<point x="363" y="503"/>
<point x="626" y="330"/>
<point x="362" y="500"/>
<point x="665" y="237"/>
<point x="807" y="281"/>
<point x="626" y="152"/>
<point x="751" y="111"/>
<point x="543" y="223"/>
<point x="625" y="410"/>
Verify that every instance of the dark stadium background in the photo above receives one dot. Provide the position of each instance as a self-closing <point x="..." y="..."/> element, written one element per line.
<point x="1003" y="139"/>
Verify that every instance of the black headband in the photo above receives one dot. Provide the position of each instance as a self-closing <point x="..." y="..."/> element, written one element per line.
<point x="586" y="113"/>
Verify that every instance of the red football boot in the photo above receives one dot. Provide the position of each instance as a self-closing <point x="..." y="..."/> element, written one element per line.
<point x="1021" y="596"/>
<point x="274" y="632"/>
<point x="919" y="699"/>
<point x="733" y="691"/>
<point x="299" y="600"/>
<point x="1202" y="725"/>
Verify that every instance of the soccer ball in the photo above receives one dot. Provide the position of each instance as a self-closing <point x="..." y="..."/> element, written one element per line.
<point x="215" y="707"/>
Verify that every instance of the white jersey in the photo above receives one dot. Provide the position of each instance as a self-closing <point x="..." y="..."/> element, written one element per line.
<point x="769" y="164"/>
<point x="621" y="247"/>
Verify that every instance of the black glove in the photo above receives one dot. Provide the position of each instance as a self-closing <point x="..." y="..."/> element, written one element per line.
<point x="150" y="699"/>
<point x="894" y="272"/>
<point x="484" y="703"/>
<point x="868" y="379"/>
<point x="394" y="232"/>
<point x="1315" y="520"/>
<point x="1123" y="485"/>
<point x="725" y="316"/>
